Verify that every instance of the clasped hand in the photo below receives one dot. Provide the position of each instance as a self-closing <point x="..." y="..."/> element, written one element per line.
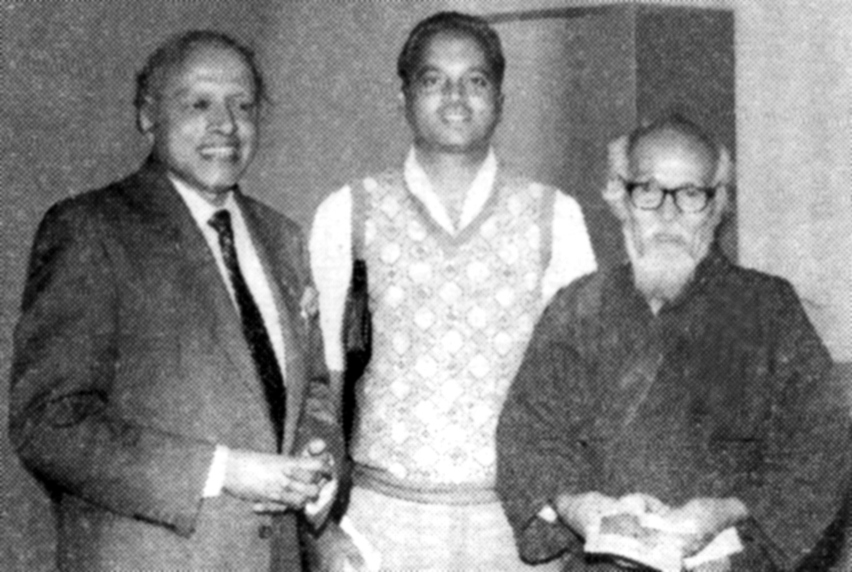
<point x="697" y="522"/>
<point x="278" y="482"/>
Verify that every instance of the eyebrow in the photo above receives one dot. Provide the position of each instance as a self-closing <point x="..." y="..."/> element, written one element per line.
<point x="425" y="68"/>
<point x="640" y="181"/>
<point x="483" y="70"/>
<point x="476" y="69"/>
<point x="196" y="90"/>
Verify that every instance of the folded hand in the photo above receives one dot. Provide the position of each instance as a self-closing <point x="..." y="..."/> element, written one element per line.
<point x="702" y="519"/>
<point x="583" y="511"/>
<point x="275" y="480"/>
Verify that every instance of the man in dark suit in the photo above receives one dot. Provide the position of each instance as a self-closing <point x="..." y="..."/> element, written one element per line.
<point x="166" y="387"/>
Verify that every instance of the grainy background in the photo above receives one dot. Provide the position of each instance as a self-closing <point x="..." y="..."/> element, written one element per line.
<point x="66" y="125"/>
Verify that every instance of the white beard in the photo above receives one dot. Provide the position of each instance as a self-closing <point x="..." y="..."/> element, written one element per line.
<point x="664" y="265"/>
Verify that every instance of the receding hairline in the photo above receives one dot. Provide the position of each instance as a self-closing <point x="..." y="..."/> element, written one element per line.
<point x="190" y="57"/>
<point x="675" y="130"/>
<point x="669" y="138"/>
<point x="203" y="52"/>
<point x="172" y="57"/>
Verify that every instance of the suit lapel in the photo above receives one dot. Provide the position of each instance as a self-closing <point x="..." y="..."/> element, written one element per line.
<point x="161" y="204"/>
<point x="200" y="278"/>
<point x="286" y="288"/>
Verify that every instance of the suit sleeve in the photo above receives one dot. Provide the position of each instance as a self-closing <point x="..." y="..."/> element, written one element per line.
<point x="65" y="419"/>
<point x="538" y="451"/>
<point x="806" y="464"/>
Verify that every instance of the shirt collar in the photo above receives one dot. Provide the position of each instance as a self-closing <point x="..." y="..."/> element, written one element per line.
<point x="201" y="209"/>
<point x="480" y="190"/>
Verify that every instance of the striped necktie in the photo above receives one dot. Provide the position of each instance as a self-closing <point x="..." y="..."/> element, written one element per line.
<point x="254" y="330"/>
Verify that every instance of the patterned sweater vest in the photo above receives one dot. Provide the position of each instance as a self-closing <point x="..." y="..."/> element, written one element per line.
<point x="451" y="319"/>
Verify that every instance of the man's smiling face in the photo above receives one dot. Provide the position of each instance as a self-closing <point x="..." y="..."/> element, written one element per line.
<point x="453" y="103"/>
<point x="203" y="121"/>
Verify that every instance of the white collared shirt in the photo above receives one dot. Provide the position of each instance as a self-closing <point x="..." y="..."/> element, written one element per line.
<point x="250" y="265"/>
<point x="256" y="280"/>
<point x="474" y="201"/>
<point x="331" y="242"/>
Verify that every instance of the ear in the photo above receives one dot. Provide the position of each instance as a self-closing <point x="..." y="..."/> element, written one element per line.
<point x="145" y="118"/>
<point x="722" y="180"/>
<point x="721" y="204"/>
<point x="617" y="159"/>
<point x="401" y="99"/>
<point x="724" y="168"/>
<point x="614" y="192"/>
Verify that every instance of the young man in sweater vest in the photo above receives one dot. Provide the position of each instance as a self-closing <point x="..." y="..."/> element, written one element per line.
<point x="462" y="256"/>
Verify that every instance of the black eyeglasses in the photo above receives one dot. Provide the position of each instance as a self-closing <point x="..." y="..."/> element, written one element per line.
<point x="649" y="196"/>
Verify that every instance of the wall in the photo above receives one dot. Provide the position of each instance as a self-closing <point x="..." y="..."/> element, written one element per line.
<point x="794" y="127"/>
<point x="66" y="125"/>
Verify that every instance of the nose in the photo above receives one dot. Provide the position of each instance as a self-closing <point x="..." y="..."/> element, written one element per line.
<point x="669" y="210"/>
<point x="221" y="118"/>
<point x="455" y="89"/>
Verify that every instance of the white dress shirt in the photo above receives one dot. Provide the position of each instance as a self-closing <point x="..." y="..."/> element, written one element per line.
<point x="256" y="280"/>
<point x="331" y="242"/>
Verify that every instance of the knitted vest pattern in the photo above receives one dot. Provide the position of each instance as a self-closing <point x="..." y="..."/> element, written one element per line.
<point x="451" y="319"/>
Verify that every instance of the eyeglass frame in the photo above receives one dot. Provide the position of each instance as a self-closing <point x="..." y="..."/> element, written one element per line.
<point x="709" y="194"/>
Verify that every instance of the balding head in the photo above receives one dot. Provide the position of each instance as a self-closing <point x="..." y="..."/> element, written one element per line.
<point x="670" y="154"/>
<point x="674" y="133"/>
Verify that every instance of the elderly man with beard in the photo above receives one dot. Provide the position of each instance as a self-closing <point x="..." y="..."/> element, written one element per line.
<point x="678" y="385"/>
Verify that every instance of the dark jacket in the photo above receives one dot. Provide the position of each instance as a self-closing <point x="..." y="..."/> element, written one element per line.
<point x="130" y="366"/>
<point x="725" y="392"/>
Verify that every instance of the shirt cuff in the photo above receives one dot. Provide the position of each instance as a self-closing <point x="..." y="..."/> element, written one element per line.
<point x="323" y="501"/>
<point x="548" y="514"/>
<point x="216" y="474"/>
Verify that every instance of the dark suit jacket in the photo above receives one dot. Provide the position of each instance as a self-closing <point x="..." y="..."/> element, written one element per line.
<point x="130" y="366"/>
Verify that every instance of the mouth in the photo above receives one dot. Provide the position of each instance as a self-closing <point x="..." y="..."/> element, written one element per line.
<point x="456" y="115"/>
<point x="668" y="238"/>
<point x="220" y="151"/>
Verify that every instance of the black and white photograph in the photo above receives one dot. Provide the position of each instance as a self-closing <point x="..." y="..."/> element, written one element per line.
<point x="426" y="285"/>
